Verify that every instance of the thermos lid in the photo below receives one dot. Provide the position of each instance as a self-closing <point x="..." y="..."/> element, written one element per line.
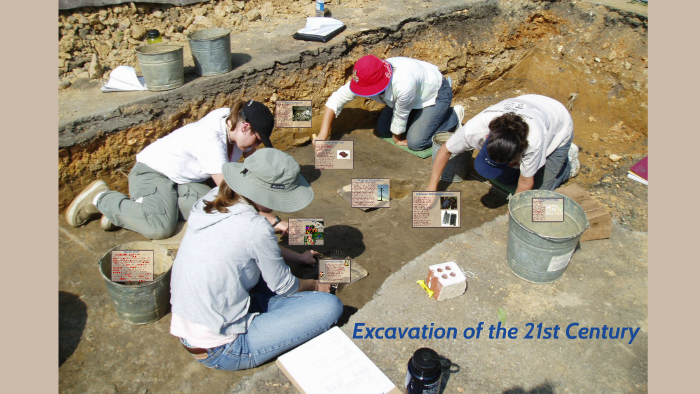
<point x="153" y="33"/>
<point x="426" y="360"/>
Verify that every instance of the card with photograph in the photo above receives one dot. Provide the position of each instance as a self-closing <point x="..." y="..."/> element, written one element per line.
<point x="306" y="231"/>
<point x="334" y="155"/>
<point x="436" y="209"/>
<point x="293" y="113"/>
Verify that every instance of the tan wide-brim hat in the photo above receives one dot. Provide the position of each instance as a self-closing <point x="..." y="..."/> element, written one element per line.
<point x="270" y="178"/>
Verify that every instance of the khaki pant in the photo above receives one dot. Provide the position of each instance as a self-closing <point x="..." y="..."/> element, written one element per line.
<point x="155" y="205"/>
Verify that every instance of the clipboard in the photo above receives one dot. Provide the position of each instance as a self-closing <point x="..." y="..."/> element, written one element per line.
<point x="314" y="37"/>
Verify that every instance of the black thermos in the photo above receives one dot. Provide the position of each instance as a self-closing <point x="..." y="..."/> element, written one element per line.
<point x="424" y="372"/>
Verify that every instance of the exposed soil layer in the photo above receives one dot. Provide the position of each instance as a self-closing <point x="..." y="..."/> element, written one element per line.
<point x="491" y="50"/>
<point x="554" y="49"/>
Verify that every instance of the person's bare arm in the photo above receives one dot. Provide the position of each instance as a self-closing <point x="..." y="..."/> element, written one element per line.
<point x="313" y="285"/>
<point x="325" y="131"/>
<point x="217" y="178"/>
<point x="294" y="257"/>
<point x="281" y="226"/>
<point x="525" y="183"/>
<point x="439" y="165"/>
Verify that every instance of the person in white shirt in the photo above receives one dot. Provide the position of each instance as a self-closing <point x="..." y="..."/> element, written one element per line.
<point x="523" y="143"/>
<point x="169" y="174"/>
<point x="416" y="95"/>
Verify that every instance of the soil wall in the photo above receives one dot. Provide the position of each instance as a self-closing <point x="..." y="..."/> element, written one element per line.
<point x="587" y="56"/>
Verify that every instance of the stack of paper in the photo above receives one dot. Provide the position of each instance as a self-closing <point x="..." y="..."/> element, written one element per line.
<point x="639" y="171"/>
<point x="332" y="364"/>
<point x="320" y="29"/>
<point x="122" y="79"/>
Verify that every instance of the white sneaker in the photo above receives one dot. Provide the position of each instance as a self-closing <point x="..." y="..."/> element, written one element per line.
<point x="459" y="111"/>
<point x="107" y="225"/>
<point x="81" y="210"/>
<point x="573" y="159"/>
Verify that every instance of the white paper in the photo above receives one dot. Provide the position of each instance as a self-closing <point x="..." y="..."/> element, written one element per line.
<point x="123" y="78"/>
<point x="637" y="178"/>
<point x="559" y="262"/>
<point x="332" y="364"/>
<point x="320" y="26"/>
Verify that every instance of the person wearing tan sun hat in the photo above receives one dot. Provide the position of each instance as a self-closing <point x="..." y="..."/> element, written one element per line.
<point x="170" y="174"/>
<point x="416" y="95"/>
<point x="235" y="303"/>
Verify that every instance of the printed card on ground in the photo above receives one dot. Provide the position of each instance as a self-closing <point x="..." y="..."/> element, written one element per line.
<point x="370" y="193"/>
<point x="293" y="113"/>
<point x="132" y="265"/>
<point x="334" y="155"/>
<point x="334" y="271"/>
<point x="436" y="209"/>
<point x="306" y="231"/>
<point x="547" y="209"/>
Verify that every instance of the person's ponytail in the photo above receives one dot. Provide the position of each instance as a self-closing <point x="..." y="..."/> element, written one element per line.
<point x="224" y="199"/>
<point x="507" y="137"/>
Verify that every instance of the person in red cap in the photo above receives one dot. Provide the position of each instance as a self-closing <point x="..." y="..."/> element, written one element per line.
<point x="170" y="174"/>
<point x="416" y="95"/>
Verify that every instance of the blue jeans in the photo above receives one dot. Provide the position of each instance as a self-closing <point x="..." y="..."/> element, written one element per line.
<point x="423" y="123"/>
<point x="284" y="323"/>
<point x="555" y="171"/>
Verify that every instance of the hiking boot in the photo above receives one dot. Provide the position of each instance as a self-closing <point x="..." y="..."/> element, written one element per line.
<point x="107" y="225"/>
<point x="81" y="210"/>
<point x="459" y="111"/>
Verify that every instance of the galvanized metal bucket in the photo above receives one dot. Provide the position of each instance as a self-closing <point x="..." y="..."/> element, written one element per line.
<point x="540" y="251"/>
<point x="146" y="303"/>
<point x="456" y="169"/>
<point x="162" y="65"/>
<point x="211" y="50"/>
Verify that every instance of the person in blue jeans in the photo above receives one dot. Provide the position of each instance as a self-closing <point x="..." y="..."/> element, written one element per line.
<point x="235" y="303"/>
<point x="416" y="95"/>
<point x="523" y="144"/>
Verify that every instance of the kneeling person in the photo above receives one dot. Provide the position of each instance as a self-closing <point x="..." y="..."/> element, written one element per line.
<point x="523" y="144"/>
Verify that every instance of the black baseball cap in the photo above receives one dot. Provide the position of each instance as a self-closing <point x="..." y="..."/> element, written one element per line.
<point x="260" y="119"/>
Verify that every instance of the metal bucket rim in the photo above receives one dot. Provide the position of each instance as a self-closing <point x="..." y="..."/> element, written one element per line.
<point x="152" y="49"/>
<point x="109" y="252"/>
<point x="548" y="237"/>
<point x="437" y="134"/>
<point x="224" y="32"/>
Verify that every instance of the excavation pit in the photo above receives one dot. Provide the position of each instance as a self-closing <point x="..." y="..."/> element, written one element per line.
<point x="590" y="57"/>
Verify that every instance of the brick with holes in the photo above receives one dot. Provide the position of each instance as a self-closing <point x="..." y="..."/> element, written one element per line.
<point x="446" y="280"/>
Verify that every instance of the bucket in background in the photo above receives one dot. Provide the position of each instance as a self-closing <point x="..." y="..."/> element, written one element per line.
<point x="211" y="50"/>
<point x="162" y="66"/>
<point x="540" y="251"/>
<point x="456" y="169"/>
<point x="146" y="303"/>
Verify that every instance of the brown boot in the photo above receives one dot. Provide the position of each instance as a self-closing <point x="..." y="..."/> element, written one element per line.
<point x="81" y="210"/>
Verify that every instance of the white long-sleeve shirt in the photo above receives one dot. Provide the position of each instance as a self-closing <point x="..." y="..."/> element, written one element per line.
<point x="414" y="85"/>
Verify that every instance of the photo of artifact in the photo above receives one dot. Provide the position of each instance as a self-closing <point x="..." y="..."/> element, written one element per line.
<point x="510" y="137"/>
<point x="301" y="113"/>
<point x="448" y="202"/>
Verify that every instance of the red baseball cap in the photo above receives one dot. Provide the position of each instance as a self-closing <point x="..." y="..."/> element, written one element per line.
<point x="370" y="76"/>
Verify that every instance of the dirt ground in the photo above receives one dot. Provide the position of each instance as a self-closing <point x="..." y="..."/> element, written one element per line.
<point x="99" y="350"/>
<point x="98" y="353"/>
